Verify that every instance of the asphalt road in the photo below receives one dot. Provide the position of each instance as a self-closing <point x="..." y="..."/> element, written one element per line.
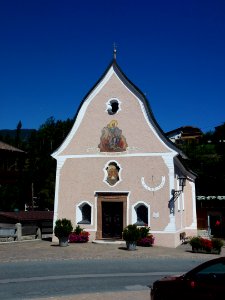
<point x="43" y="270"/>
<point x="55" y="278"/>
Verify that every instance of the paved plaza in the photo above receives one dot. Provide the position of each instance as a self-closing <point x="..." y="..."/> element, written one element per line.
<point x="47" y="250"/>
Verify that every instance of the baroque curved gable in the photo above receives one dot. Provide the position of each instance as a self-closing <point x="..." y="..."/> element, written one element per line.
<point x="131" y="130"/>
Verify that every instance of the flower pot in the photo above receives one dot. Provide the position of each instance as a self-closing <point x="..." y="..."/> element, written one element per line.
<point x="131" y="246"/>
<point x="207" y="251"/>
<point x="63" y="241"/>
<point x="203" y="245"/>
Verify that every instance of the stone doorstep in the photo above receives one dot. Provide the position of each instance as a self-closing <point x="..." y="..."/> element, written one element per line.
<point x="23" y="239"/>
<point x="109" y="242"/>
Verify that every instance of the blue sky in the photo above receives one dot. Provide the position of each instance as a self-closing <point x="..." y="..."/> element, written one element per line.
<point x="52" y="52"/>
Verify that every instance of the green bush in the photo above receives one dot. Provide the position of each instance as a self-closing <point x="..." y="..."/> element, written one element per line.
<point x="144" y="232"/>
<point x="78" y="229"/>
<point x="131" y="233"/>
<point x="195" y="242"/>
<point x="217" y="243"/>
<point x="63" y="227"/>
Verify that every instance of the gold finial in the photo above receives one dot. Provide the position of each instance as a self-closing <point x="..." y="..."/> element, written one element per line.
<point x="114" y="50"/>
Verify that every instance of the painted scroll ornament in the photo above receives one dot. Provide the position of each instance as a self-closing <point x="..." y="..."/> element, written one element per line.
<point x="153" y="189"/>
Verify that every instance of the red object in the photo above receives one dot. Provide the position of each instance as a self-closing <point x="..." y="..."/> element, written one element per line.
<point x="206" y="281"/>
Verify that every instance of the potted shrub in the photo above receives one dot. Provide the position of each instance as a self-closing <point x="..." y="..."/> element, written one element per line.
<point x="200" y="244"/>
<point x="195" y="243"/>
<point x="63" y="228"/>
<point x="131" y="235"/>
<point x="217" y="244"/>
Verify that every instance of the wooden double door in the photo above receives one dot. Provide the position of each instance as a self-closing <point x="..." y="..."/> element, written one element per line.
<point x="111" y="216"/>
<point x="112" y="220"/>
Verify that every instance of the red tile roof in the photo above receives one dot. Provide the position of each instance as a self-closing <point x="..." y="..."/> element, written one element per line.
<point x="7" y="147"/>
<point x="28" y="215"/>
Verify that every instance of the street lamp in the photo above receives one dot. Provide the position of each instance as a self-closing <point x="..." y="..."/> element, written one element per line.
<point x="176" y="193"/>
<point x="182" y="183"/>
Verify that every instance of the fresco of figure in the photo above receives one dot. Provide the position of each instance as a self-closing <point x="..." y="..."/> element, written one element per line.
<point x="112" y="139"/>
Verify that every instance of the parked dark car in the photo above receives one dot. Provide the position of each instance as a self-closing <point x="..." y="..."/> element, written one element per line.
<point x="206" y="281"/>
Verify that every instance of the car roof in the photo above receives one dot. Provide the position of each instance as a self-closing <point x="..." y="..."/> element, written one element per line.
<point x="205" y="264"/>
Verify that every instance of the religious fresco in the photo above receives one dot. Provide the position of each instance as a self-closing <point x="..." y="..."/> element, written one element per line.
<point x="112" y="139"/>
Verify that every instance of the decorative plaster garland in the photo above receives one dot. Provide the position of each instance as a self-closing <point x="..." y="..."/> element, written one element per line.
<point x="153" y="189"/>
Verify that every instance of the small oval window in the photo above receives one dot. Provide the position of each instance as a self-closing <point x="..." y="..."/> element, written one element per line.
<point x="113" y="107"/>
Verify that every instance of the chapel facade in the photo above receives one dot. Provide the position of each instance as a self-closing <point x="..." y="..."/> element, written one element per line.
<point x="116" y="167"/>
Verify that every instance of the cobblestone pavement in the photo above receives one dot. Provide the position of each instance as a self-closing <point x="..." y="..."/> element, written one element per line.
<point x="45" y="250"/>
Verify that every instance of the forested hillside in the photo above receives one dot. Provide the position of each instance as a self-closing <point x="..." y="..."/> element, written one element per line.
<point x="37" y="180"/>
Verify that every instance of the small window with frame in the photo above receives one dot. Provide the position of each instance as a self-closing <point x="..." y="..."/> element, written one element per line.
<point x="142" y="215"/>
<point x="85" y="213"/>
<point x="113" y="106"/>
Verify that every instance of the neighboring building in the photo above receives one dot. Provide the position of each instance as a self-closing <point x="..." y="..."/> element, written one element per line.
<point x="185" y="134"/>
<point x="31" y="222"/>
<point x="211" y="214"/>
<point x="220" y="131"/>
<point x="117" y="167"/>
